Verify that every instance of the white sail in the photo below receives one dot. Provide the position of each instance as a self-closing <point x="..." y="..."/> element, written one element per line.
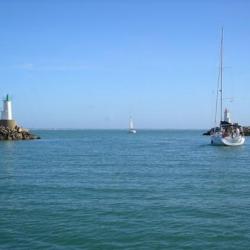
<point x="131" y="126"/>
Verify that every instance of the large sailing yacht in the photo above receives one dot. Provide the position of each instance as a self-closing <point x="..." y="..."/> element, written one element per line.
<point x="227" y="133"/>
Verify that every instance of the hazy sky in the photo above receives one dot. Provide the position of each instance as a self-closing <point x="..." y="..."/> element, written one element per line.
<point x="91" y="64"/>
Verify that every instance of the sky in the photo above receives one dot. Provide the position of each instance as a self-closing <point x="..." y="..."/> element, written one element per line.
<point x="93" y="63"/>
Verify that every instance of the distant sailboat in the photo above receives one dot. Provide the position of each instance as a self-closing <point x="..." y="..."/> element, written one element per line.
<point x="228" y="133"/>
<point x="131" y="126"/>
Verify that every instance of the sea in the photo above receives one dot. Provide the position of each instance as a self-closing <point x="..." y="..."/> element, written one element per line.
<point x="108" y="189"/>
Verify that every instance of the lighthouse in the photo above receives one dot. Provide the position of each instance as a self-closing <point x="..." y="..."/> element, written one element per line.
<point x="227" y="116"/>
<point x="7" y="109"/>
<point x="6" y="117"/>
<point x="8" y="127"/>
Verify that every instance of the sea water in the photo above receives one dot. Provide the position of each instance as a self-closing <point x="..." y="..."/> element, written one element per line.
<point x="107" y="189"/>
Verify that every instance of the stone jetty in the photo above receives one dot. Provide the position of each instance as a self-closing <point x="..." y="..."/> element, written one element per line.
<point x="246" y="131"/>
<point x="16" y="133"/>
<point x="8" y="126"/>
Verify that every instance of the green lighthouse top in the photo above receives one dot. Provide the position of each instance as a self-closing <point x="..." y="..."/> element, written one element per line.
<point x="7" y="98"/>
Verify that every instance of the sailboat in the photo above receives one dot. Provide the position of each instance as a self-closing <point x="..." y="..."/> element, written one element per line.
<point x="131" y="126"/>
<point x="227" y="133"/>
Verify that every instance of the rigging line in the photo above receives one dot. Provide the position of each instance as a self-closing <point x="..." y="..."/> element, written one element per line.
<point x="217" y="97"/>
<point x="221" y="73"/>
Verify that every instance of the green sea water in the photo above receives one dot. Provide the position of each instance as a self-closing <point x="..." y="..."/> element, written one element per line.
<point x="107" y="189"/>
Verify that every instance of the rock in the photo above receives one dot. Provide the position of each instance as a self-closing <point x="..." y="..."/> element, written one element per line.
<point x="246" y="131"/>
<point x="207" y="133"/>
<point x="19" y="136"/>
<point x="17" y="133"/>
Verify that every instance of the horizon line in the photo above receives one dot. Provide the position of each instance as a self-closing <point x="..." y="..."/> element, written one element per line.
<point x="117" y="129"/>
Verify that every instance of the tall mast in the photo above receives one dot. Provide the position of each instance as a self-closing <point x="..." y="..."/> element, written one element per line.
<point x="221" y="73"/>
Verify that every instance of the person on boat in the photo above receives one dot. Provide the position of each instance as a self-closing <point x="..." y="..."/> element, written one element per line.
<point x="237" y="131"/>
<point x="225" y="133"/>
<point x="241" y="131"/>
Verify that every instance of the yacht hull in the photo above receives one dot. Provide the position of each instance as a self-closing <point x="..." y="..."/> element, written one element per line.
<point x="132" y="131"/>
<point x="219" y="140"/>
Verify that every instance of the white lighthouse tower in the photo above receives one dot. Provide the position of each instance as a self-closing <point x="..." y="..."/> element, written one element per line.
<point x="7" y="109"/>
<point x="227" y="117"/>
<point x="6" y="117"/>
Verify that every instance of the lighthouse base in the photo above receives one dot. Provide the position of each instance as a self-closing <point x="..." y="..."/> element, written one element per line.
<point x="8" y="123"/>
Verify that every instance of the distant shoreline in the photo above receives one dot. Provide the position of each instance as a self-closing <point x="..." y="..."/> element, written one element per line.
<point x="122" y="129"/>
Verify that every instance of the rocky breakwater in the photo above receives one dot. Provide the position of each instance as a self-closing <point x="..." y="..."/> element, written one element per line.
<point x="16" y="133"/>
<point x="246" y="131"/>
